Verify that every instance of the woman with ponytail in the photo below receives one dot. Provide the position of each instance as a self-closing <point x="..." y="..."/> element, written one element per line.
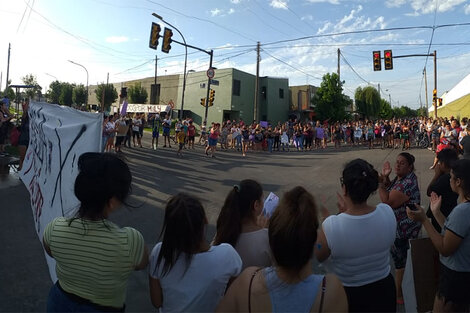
<point x="358" y="241"/>
<point x="238" y="224"/>
<point x="186" y="273"/>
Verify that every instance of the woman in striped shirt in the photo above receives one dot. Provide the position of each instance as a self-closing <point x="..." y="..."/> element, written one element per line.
<point x="94" y="256"/>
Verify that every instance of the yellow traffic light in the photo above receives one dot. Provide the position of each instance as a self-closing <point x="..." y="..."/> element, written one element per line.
<point x="211" y="97"/>
<point x="388" y="60"/>
<point x="203" y="102"/>
<point x="440" y="102"/>
<point x="434" y="96"/>
<point x="377" y="61"/>
<point x="167" y="34"/>
<point x="154" y="35"/>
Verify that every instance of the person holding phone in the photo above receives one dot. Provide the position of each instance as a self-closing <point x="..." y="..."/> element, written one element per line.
<point x="453" y="244"/>
<point x="398" y="193"/>
<point x="241" y="224"/>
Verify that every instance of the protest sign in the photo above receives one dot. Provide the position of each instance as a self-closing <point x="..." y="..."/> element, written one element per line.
<point x="58" y="136"/>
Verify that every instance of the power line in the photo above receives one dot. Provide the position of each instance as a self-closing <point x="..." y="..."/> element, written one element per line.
<point x="291" y="66"/>
<point x="350" y="66"/>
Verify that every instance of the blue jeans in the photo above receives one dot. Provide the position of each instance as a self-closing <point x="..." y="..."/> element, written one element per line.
<point x="270" y="144"/>
<point x="59" y="301"/>
<point x="239" y="142"/>
<point x="298" y="143"/>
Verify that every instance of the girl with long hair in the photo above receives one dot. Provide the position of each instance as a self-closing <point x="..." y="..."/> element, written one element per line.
<point x="186" y="273"/>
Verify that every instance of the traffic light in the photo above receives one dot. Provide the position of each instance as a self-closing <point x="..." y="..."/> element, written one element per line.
<point x="434" y="96"/>
<point x="377" y="61"/>
<point x="211" y="97"/>
<point x="388" y="60"/>
<point x="167" y="33"/>
<point x="440" y="102"/>
<point x="203" y="102"/>
<point x="154" y="35"/>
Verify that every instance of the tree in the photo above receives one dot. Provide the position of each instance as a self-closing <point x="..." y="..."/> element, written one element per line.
<point x="79" y="95"/>
<point x="53" y="94"/>
<point x="367" y="101"/>
<point x="30" y="79"/>
<point x="386" y="111"/>
<point x="66" y="92"/>
<point x="329" y="102"/>
<point x="137" y="94"/>
<point x="110" y="95"/>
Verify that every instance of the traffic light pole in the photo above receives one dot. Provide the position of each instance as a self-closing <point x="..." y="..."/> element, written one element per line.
<point x="208" y="89"/>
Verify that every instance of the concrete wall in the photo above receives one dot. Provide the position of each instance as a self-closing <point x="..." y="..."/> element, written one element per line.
<point x="273" y="108"/>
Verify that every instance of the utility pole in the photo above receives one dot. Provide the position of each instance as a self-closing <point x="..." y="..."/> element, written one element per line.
<point x="378" y="85"/>
<point x="255" y="109"/>
<point x="426" y="87"/>
<point x="339" y="73"/>
<point x="208" y="89"/>
<point x="102" y="94"/>
<point x="155" y="81"/>
<point x="8" y="66"/>
<point x="435" y="82"/>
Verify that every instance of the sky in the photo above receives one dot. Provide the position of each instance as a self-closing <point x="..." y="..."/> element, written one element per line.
<point x="299" y="41"/>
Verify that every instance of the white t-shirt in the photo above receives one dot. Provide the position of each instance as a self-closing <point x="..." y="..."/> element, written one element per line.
<point x="136" y="122"/>
<point x="202" y="286"/>
<point x="360" y="245"/>
<point x="253" y="248"/>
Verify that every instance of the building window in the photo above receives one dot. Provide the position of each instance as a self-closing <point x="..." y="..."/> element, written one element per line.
<point x="236" y="87"/>
<point x="281" y="93"/>
<point x="155" y="94"/>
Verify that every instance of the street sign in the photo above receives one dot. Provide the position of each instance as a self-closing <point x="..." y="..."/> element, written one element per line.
<point x="214" y="82"/>
<point x="210" y="73"/>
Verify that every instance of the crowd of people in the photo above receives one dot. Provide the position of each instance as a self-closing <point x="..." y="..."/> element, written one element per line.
<point x="292" y="135"/>
<point x="262" y="263"/>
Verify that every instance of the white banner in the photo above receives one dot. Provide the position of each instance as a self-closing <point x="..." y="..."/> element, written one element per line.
<point x="147" y="108"/>
<point x="58" y="136"/>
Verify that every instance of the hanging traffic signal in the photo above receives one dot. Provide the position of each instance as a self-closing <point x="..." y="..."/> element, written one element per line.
<point x="203" y="102"/>
<point x="211" y="97"/>
<point x="154" y="35"/>
<point x="167" y="33"/>
<point x="388" y="59"/>
<point x="440" y="102"/>
<point x="377" y="61"/>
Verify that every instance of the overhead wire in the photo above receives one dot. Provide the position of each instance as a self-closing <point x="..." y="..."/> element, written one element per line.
<point x="291" y="66"/>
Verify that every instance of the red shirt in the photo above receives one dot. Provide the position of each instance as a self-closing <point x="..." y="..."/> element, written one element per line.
<point x="191" y="130"/>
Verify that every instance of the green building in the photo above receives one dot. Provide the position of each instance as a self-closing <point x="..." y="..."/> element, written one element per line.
<point x="234" y="95"/>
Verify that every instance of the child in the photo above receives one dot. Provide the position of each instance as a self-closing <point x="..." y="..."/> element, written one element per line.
<point x="284" y="140"/>
<point x="180" y="140"/>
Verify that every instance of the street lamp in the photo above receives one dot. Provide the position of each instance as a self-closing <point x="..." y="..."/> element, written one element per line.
<point x="86" y="99"/>
<point x="185" y="61"/>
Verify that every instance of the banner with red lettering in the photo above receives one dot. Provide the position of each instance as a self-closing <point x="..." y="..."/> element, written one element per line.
<point x="58" y="136"/>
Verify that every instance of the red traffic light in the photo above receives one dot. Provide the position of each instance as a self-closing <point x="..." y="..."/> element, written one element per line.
<point x="388" y="59"/>
<point x="377" y="60"/>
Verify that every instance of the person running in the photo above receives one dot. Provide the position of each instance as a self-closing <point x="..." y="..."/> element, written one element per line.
<point x="94" y="256"/>
<point x="186" y="274"/>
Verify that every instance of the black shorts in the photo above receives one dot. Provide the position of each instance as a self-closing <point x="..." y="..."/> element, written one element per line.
<point x="135" y="133"/>
<point x="190" y="138"/>
<point x="119" y="140"/>
<point x="379" y="296"/>
<point x="454" y="287"/>
<point x="181" y="145"/>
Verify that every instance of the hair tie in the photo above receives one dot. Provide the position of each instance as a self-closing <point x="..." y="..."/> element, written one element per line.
<point x="237" y="188"/>
<point x="364" y="173"/>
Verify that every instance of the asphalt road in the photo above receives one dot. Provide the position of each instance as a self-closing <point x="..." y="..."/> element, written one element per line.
<point x="25" y="282"/>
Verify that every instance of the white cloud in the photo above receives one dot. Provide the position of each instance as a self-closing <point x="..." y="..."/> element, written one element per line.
<point x="320" y="1"/>
<point x="231" y="11"/>
<point x="353" y="22"/>
<point x="307" y="17"/>
<point x="235" y="1"/>
<point x="117" y="39"/>
<point x="467" y="9"/>
<point x="216" y="12"/>
<point x="395" y="3"/>
<point x="279" y="4"/>
<point x="429" y="6"/>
